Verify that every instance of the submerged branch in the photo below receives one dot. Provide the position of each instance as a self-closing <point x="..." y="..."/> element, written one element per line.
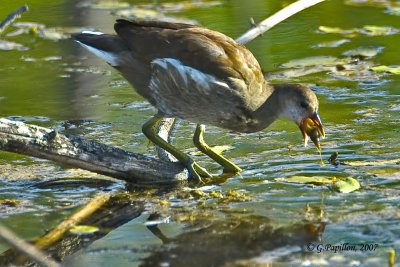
<point x="90" y="155"/>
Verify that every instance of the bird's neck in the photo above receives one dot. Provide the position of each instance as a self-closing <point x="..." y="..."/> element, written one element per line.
<point x="273" y="107"/>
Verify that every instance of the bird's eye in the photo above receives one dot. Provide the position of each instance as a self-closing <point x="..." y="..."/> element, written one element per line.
<point x="303" y="105"/>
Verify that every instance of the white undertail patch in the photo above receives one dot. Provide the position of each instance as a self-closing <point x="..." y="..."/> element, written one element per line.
<point x="108" y="57"/>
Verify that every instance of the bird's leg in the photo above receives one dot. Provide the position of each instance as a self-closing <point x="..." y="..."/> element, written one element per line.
<point x="195" y="171"/>
<point x="198" y="140"/>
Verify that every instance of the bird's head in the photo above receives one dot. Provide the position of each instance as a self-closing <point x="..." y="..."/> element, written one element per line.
<point x="301" y="106"/>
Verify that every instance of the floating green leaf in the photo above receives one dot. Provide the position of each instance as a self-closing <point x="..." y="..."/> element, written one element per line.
<point x="373" y="30"/>
<point x="315" y="180"/>
<point x="7" y="45"/>
<point x="372" y="163"/>
<point x="393" y="11"/>
<point x="336" y="43"/>
<point x="342" y="185"/>
<point x="105" y="4"/>
<point x="327" y="29"/>
<point x="83" y="229"/>
<point x="364" y="51"/>
<point x="383" y="68"/>
<point x="314" y="61"/>
<point x="345" y="185"/>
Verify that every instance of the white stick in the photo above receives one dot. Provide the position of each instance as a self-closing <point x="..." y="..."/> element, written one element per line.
<point x="279" y="16"/>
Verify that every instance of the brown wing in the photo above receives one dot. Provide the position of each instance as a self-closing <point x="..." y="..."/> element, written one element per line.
<point x="207" y="51"/>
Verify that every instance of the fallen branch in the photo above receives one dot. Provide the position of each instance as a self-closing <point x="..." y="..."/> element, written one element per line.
<point x="12" y="16"/>
<point x="45" y="143"/>
<point x="25" y="248"/>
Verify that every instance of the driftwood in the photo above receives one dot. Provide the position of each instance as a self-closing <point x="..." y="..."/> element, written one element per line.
<point x="93" y="156"/>
<point x="45" y="143"/>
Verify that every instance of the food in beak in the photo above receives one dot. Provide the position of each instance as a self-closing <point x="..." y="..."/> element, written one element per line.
<point x="311" y="128"/>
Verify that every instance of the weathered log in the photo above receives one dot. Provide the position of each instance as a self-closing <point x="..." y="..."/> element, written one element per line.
<point x="90" y="155"/>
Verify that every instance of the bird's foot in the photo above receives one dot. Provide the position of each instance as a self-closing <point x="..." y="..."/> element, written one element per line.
<point x="196" y="172"/>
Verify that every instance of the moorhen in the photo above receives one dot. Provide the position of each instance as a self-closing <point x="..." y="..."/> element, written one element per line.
<point x="203" y="76"/>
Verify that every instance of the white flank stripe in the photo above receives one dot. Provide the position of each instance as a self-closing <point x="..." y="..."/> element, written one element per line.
<point x="109" y="57"/>
<point x="202" y="79"/>
<point x="93" y="33"/>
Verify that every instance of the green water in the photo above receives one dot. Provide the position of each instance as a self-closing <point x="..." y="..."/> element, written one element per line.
<point x="55" y="81"/>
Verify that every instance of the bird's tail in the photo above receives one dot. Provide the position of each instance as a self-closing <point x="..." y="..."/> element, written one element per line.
<point x="107" y="47"/>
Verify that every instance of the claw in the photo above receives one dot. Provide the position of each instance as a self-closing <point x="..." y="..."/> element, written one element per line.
<point x="196" y="172"/>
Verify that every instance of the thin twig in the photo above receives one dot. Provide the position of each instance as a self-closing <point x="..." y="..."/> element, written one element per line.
<point x="84" y="212"/>
<point x="273" y="20"/>
<point x="26" y="249"/>
<point x="12" y="16"/>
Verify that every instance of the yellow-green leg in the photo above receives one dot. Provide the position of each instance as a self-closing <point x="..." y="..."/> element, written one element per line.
<point x="198" y="140"/>
<point x="195" y="171"/>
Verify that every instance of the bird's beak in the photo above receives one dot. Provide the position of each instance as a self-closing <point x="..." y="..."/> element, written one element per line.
<point x="311" y="127"/>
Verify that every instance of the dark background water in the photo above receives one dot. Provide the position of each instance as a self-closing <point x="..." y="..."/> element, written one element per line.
<point x="51" y="81"/>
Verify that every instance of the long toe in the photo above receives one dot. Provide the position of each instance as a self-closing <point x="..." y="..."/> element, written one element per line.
<point x="196" y="172"/>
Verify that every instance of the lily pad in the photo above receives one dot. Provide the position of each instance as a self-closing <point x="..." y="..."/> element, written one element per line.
<point x="370" y="3"/>
<point x="83" y="229"/>
<point x="346" y="185"/>
<point x="315" y="180"/>
<point x="373" y="30"/>
<point x="342" y="185"/>
<point x="326" y="29"/>
<point x="336" y="43"/>
<point x="105" y="5"/>
<point x="372" y="163"/>
<point x="393" y="11"/>
<point x="314" y="61"/>
<point x="7" y="46"/>
<point x="364" y="52"/>
<point x="389" y="69"/>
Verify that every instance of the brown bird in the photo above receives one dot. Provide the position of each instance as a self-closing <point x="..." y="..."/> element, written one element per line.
<point x="203" y="76"/>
